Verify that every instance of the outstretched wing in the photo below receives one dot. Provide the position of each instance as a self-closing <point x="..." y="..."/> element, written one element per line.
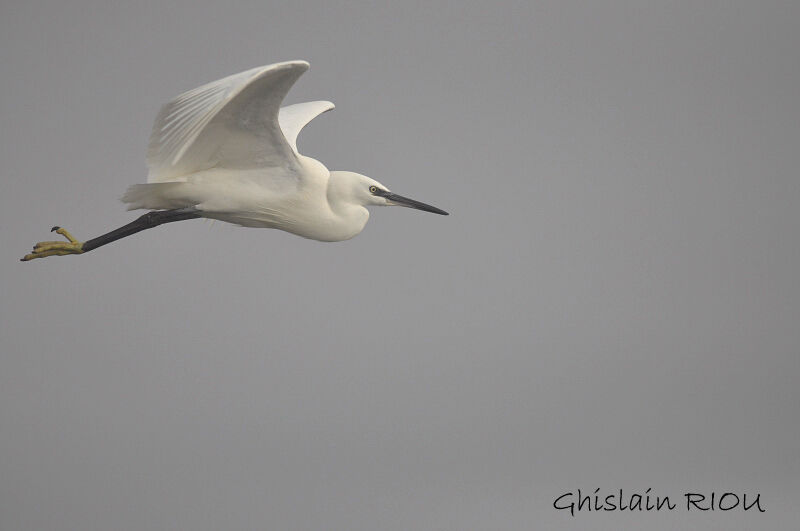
<point x="294" y="118"/>
<point x="230" y="123"/>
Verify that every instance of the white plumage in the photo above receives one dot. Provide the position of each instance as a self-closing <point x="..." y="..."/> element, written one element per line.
<point x="229" y="150"/>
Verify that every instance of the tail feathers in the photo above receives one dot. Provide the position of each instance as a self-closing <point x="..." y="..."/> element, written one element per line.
<point x="156" y="196"/>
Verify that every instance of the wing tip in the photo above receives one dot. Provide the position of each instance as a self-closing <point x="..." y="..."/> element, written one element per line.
<point x="325" y="106"/>
<point x="297" y="63"/>
<point x="298" y="66"/>
<point x="260" y="71"/>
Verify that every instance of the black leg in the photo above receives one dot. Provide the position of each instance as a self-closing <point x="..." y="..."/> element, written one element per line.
<point x="147" y="221"/>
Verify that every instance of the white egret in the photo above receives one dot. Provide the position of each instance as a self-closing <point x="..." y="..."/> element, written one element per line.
<point x="228" y="151"/>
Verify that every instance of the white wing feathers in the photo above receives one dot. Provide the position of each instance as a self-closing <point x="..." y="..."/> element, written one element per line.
<point x="293" y="118"/>
<point x="231" y="123"/>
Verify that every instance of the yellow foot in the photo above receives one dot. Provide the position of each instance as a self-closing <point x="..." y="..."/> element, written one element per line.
<point x="44" y="249"/>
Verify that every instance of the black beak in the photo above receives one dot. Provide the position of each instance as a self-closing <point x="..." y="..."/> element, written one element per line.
<point x="411" y="203"/>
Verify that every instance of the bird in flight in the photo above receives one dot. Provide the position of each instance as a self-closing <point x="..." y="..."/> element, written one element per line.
<point x="228" y="151"/>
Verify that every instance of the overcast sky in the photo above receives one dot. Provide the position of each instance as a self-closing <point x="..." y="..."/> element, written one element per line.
<point x="612" y="303"/>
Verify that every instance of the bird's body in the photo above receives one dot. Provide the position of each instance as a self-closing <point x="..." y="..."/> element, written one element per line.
<point x="263" y="198"/>
<point x="228" y="151"/>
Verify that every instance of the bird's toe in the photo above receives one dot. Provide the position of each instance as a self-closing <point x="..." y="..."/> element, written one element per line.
<point x="55" y="248"/>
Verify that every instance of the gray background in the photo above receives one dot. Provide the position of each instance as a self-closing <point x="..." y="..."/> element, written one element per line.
<point x="613" y="302"/>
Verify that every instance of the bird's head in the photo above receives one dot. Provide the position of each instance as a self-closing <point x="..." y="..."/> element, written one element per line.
<point x="361" y="190"/>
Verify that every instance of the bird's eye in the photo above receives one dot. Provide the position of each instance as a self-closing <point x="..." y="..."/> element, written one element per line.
<point x="373" y="189"/>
